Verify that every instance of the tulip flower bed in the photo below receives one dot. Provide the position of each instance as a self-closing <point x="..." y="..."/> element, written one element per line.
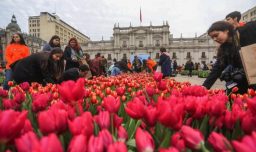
<point x="136" y="112"/>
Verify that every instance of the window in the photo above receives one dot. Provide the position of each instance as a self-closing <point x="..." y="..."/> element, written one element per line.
<point x="203" y="55"/>
<point x="188" y="55"/>
<point x="109" y="56"/>
<point x="157" y="56"/>
<point x="245" y="17"/>
<point x="157" y="43"/>
<point x="141" y="44"/>
<point x="124" y="44"/>
<point x="174" y="55"/>
<point x="38" y="35"/>
<point x="124" y="56"/>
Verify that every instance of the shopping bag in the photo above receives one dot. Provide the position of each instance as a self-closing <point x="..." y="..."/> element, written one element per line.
<point x="248" y="57"/>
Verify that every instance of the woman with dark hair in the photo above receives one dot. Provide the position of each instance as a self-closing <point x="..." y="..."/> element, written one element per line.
<point x="42" y="67"/>
<point x="17" y="49"/>
<point x="73" y="54"/>
<point x="165" y="63"/>
<point x="54" y="42"/>
<point x="228" y="66"/>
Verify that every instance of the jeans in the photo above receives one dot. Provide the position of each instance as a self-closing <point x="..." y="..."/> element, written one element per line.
<point x="115" y="71"/>
<point x="8" y="77"/>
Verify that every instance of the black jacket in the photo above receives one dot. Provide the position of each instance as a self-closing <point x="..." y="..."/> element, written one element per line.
<point x="122" y="65"/>
<point x="70" y="63"/>
<point x="247" y="36"/>
<point x="33" y="68"/>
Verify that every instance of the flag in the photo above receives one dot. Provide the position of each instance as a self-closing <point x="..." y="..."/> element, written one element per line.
<point x="140" y="16"/>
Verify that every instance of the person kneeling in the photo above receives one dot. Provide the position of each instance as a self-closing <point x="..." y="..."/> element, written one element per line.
<point x="75" y="73"/>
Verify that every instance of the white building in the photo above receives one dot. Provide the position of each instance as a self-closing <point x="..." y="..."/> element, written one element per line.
<point x="130" y="41"/>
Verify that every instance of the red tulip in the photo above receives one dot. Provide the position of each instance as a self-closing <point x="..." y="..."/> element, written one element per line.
<point x="235" y="89"/>
<point x="103" y="119"/>
<point x="51" y="143"/>
<point x="11" y="124"/>
<point x="170" y="116"/>
<point x="3" y="93"/>
<point x="78" y="144"/>
<point x="111" y="104"/>
<point x="178" y="142"/>
<point x="248" y="123"/>
<point x="150" y="90"/>
<point x="24" y="86"/>
<point x="106" y="137"/>
<point x="158" y="76"/>
<point x="120" y="91"/>
<point x="162" y="85"/>
<point x="95" y="144"/>
<point x="41" y="101"/>
<point x="27" y="127"/>
<point x="122" y="134"/>
<point x="52" y="121"/>
<point x="10" y="104"/>
<point x="248" y="143"/>
<point x="19" y="98"/>
<point x="150" y="115"/>
<point x="193" y="138"/>
<point x="135" y="108"/>
<point x="28" y="142"/>
<point x="117" y="147"/>
<point x="219" y="142"/>
<point x="82" y="125"/>
<point x="252" y="104"/>
<point x="144" y="141"/>
<point x="117" y="120"/>
<point x="71" y="91"/>
<point x="171" y="149"/>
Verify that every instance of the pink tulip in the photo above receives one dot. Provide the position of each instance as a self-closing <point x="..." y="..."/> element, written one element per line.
<point x="11" y="124"/>
<point x="111" y="104"/>
<point x="41" y="101"/>
<point x="53" y="121"/>
<point x="219" y="142"/>
<point x="103" y="119"/>
<point x="51" y="143"/>
<point x="106" y="137"/>
<point x="82" y="125"/>
<point x="248" y="143"/>
<point x="117" y="147"/>
<point x="78" y="144"/>
<point x="192" y="137"/>
<point x="28" y="142"/>
<point x="135" y="108"/>
<point x="95" y="144"/>
<point x="144" y="141"/>
<point x="122" y="134"/>
<point x="71" y="91"/>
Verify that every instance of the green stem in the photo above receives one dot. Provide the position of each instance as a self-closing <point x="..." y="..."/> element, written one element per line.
<point x="203" y="148"/>
<point x="112" y="123"/>
<point x="2" y="147"/>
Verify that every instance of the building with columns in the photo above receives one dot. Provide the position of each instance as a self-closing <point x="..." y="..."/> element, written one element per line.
<point x="147" y="40"/>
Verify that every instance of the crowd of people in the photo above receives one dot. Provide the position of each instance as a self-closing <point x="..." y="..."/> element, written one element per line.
<point x="53" y="65"/>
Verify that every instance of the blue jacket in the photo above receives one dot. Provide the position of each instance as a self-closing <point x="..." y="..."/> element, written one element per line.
<point x="165" y="63"/>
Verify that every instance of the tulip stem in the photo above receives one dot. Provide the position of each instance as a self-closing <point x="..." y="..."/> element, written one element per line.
<point x="203" y="148"/>
<point x="2" y="147"/>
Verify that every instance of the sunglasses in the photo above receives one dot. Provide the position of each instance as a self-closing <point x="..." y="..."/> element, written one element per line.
<point x="16" y="37"/>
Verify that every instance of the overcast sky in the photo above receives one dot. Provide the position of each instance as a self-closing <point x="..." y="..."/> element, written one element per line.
<point x="96" y="18"/>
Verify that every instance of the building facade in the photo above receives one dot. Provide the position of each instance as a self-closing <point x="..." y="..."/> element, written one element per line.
<point x="147" y="40"/>
<point x="249" y="15"/>
<point x="34" y="43"/>
<point x="46" y="25"/>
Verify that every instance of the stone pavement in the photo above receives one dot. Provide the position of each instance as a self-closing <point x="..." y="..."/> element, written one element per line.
<point x="194" y="80"/>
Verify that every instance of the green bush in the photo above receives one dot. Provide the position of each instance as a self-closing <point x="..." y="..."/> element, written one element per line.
<point x="203" y="74"/>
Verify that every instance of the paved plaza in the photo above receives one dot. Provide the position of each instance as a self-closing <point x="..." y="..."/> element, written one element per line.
<point x="194" y="80"/>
